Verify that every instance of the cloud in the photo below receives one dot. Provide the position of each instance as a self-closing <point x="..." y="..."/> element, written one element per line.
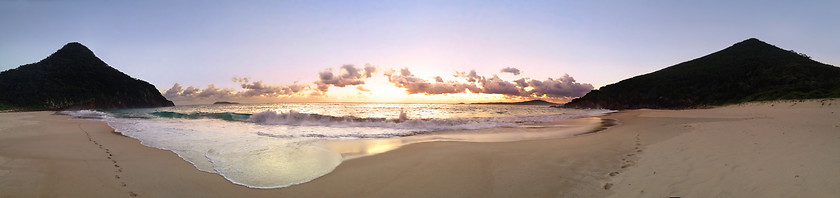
<point x="347" y="75"/>
<point x="369" y="69"/>
<point x="495" y="85"/>
<point x="415" y="85"/>
<point x="511" y="70"/>
<point x="360" y="88"/>
<point x="251" y="89"/>
<point x="521" y="82"/>
<point x="190" y="91"/>
<point x="563" y="87"/>
<point x="259" y="89"/>
<point x="174" y="91"/>
<point x="471" y="77"/>
<point x="178" y="91"/>
<point x="212" y="91"/>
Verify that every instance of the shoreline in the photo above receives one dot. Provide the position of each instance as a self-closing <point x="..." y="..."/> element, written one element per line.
<point x="351" y="149"/>
<point x="59" y="159"/>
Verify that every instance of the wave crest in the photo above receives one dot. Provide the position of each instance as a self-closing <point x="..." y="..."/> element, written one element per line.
<point x="86" y="114"/>
<point x="306" y="119"/>
<point x="228" y="116"/>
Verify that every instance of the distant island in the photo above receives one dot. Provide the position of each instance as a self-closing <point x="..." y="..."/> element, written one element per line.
<point x="530" y="102"/>
<point x="74" y="78"/>
<point x="224" y="102"/>
<point x="751" y="70"/>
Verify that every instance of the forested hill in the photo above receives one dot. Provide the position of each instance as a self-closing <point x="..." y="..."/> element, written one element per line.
<point x="74" y="78"/>
<point x="751" y="70"/>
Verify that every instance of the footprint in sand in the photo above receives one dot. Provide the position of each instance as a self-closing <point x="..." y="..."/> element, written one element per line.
<point x="607" y="186"/>
<point x="110" y="157"/>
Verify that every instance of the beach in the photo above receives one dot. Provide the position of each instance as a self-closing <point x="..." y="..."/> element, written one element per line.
<point x="763" y="149"/>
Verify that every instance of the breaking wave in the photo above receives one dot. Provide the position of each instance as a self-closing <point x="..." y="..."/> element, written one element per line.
<point x="228" y="116"/>
<point x="295" y="118"/>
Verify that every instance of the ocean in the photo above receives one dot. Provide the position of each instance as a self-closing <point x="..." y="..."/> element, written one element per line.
<point x="277" y="145"/>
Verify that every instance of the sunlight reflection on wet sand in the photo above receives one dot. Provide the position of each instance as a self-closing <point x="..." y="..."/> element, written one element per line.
<point x="355" y="148"/>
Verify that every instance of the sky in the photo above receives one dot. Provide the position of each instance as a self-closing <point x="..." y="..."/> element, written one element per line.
<point x="417" y="51"/>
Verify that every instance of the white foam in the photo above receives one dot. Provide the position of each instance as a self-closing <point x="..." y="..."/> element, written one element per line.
<point x="86" y="114"/>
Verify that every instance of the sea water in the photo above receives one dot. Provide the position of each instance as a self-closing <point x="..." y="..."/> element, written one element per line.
<point x="277" y="145"/>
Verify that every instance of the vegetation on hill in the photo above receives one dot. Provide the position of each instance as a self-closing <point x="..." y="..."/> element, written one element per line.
<point x="74" y="78"/>
<point x="750" y="70"/>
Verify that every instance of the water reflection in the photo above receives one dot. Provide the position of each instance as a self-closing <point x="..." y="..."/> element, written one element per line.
<point x="355" y="148"/>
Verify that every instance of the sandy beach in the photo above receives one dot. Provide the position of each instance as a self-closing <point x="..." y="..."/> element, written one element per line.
<point x="769" y="149"/>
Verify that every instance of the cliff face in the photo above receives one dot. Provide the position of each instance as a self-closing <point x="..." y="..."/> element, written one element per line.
<point x="750" y="70"/>
<point x="74" y="78"/>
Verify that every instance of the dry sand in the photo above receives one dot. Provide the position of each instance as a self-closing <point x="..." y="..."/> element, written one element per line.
<point x="770" y="149"/>
<point x="780" y="149"/>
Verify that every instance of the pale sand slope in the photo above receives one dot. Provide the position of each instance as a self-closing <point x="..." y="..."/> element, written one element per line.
<point x="772" y="149"/>
<point x="695" y="153"/>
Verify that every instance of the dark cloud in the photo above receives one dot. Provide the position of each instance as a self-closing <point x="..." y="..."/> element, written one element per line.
<point x="495" y="85"/>
<point x="347" y="75"/>
<point x="511" y="70"/>
<point x="369" y="69"/>
<point x="563" y="87"/>
<point x="414" y="85"/>
<point x="521" y="82"/>
<point x="472" y="76"/>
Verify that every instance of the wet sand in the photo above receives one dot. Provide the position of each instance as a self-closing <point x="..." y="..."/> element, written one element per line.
<point x="777" y="149"/>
